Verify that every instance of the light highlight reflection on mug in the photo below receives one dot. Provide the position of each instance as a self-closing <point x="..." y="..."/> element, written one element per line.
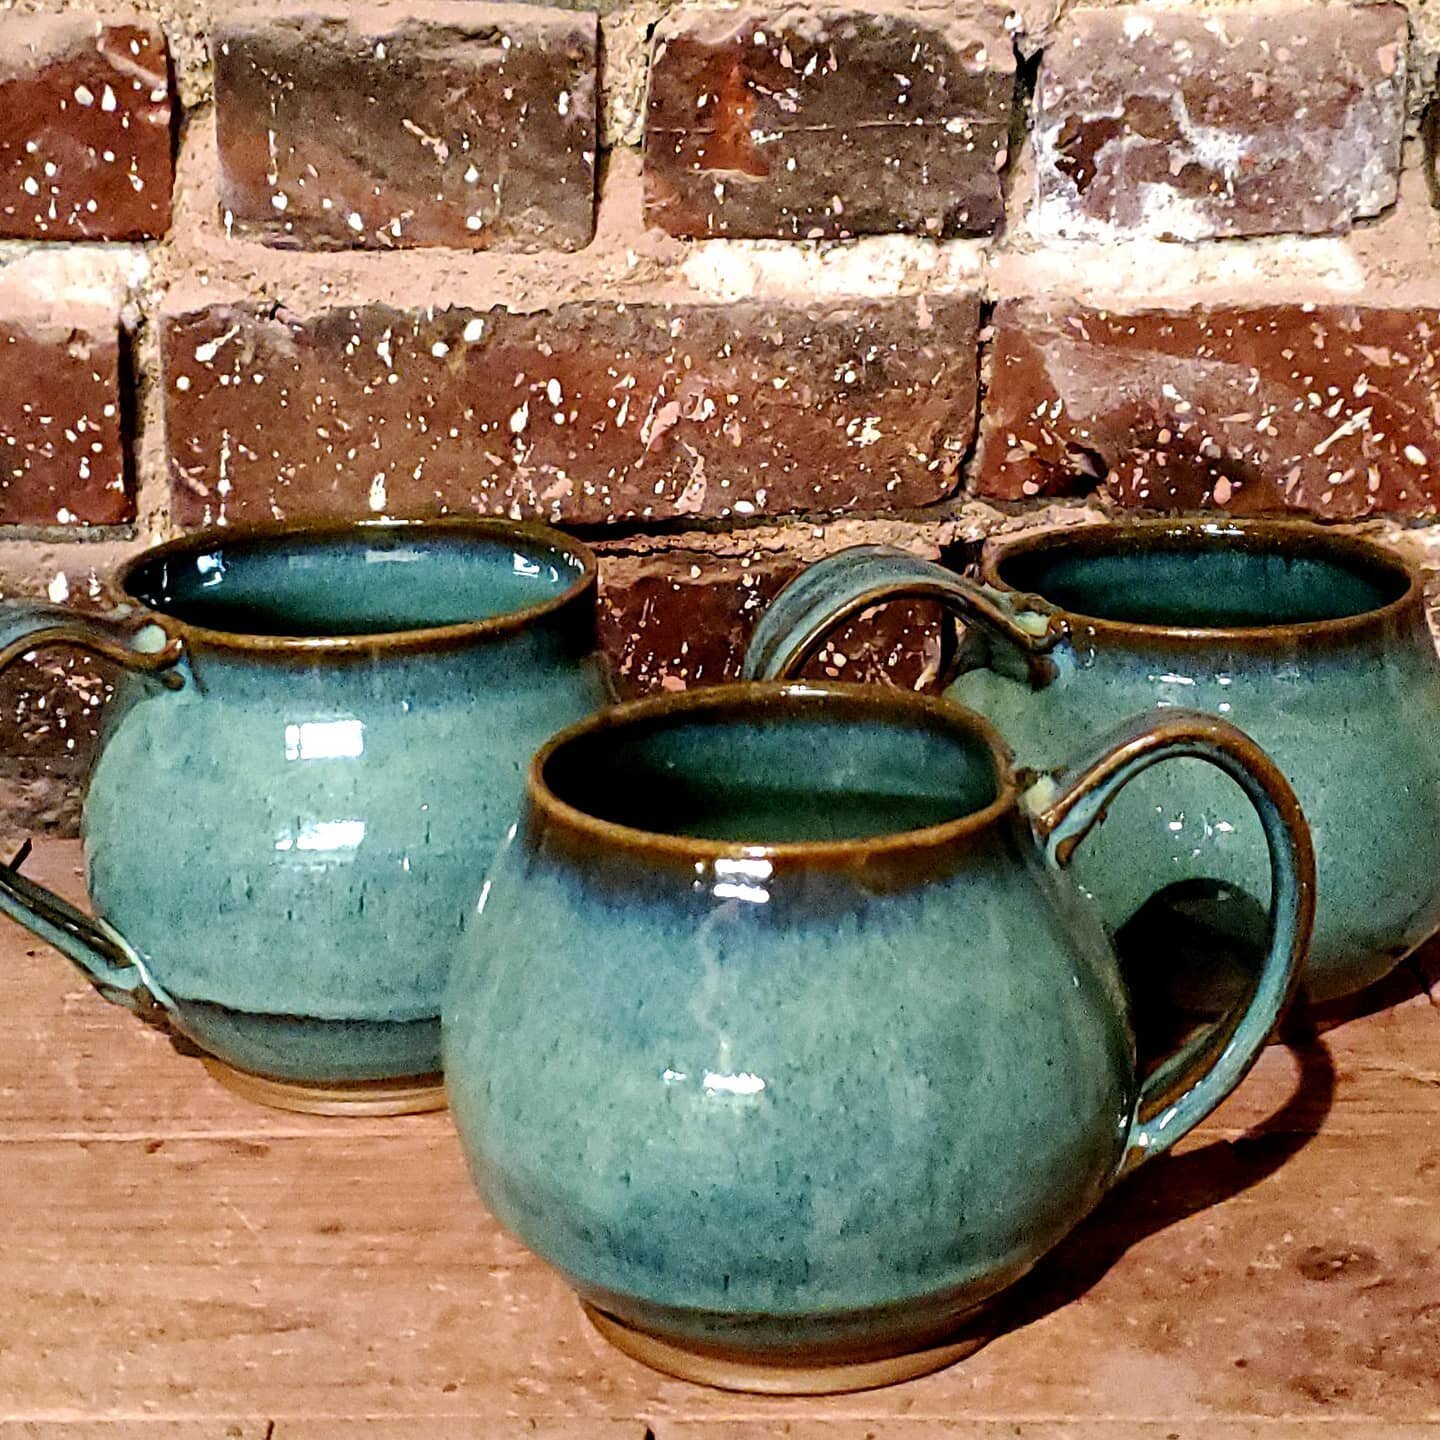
<point x="323" y="835"/>
<point x="325" y="739"/>
<point x="744" y="1085"/>
<point x="739" y="880"/>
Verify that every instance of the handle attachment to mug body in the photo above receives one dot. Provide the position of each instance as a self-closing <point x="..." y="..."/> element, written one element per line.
<point x="140" y="645"/>
<point x="1018" y="630"/>
<point x="1064" y="807"/>
<point x="146" y="648"/>
<point x="108" y="961"/>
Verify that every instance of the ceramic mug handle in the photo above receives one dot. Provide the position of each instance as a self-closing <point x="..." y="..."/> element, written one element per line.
<point x="139" y="645"/>
<point x="1019" y="629"/>
<point x="146" y="648"/>
<point x="1063" y="807"/>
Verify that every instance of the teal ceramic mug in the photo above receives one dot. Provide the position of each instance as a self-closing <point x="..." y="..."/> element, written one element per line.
<point x="781" y="1031"/>
<point x="1315" y="643"/>
<point x="316" y="738"/>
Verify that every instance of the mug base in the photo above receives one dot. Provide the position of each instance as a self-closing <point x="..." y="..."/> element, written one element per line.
<point x="765" y="1375"/>
<point x="407" y="1095"/>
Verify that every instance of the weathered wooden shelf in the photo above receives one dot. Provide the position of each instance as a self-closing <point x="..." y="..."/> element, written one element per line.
<point x="178" y="1264"/>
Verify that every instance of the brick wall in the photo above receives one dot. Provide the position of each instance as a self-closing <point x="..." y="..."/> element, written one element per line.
<point x="723" y="288"/>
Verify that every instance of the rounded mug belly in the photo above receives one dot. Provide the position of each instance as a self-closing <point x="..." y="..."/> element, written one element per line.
<point x="753" y="1136"/>
<point x="1367" y="780"/>
<point x="301" y="914"/>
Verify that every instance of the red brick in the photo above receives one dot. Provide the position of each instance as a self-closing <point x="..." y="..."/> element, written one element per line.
<point x="85" y="117"/>
<point x="62" y="457"/>
<point x="464" y="124"/>
<point x="682" y="618"/>
<point x="50" y="717"/>
<point x="1196" y="123"/>
<point x="827" y="122"/>
<point x="51" y="705"/>
<point x="1330" y="409"/>
<point x="583" y="414"/>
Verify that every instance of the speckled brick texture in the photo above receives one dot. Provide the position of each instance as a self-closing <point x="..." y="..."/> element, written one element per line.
<point x="85" y="128"/>
<point x="681" y="619"/>
<point x="820" y="122"/>
<point x="62" y="460"/>
<point x="1197" y="123"/>
<point x="52" y="704"/>
<point x="586" y="414"/>
<point x="1330" y="409"/>
<point x="460" y="124"/>
<point x="722" y="284"/>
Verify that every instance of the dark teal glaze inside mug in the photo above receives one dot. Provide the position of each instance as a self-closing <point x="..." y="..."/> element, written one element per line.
<point x="366" y="580"/>
<point x="1315" y="643"/>
<point x="782" y="1033"/>
<point x="1214" y="586"/>
<point x="316" y="737"/>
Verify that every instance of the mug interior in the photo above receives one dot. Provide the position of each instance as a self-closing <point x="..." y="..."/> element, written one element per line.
<point x="366" y="581"/>
<point x="811" y="768"/>
<point x="1204" y="579"/>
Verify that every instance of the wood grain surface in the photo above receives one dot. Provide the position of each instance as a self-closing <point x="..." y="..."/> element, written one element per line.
<point x="179" y="1265"/>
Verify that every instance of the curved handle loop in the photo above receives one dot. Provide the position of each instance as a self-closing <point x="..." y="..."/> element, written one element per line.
<point x="139" y="645"/>
<point x="1019" y="630"/>
<point x="1063" y="808"/>
<point x="147" y="649"/>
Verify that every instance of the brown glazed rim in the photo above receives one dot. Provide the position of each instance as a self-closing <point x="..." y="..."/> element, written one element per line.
<point x="754" y="698"/>
<point x="419" y="638"/>
<point x="1256" y="536"/>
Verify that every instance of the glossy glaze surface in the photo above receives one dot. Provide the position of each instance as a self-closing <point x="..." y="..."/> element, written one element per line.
<point x="289" y="841"/>
<point x="1314" y="644"/>
<point x="762" y="1067"/>
<point x="1349" y="713"/>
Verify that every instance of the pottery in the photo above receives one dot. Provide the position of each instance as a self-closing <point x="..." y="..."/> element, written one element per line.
<point x="1314" y="643"/>
<point x="316" y="739"/>
<point x="782" y="1033"/>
